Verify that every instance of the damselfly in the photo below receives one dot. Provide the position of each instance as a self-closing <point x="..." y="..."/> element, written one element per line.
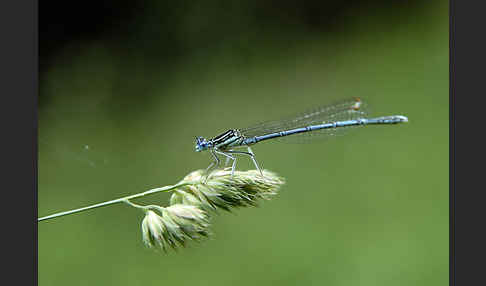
<point x="326" y="120"/>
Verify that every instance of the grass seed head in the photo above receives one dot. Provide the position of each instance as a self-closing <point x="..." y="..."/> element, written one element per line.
<point x="223" y="191"/>
<point x="173" y="226"/>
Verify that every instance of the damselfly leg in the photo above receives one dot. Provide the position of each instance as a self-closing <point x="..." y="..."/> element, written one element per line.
<point x="227" y="161"/>
<point x="249" y="153"/>
<point x="229" y="154"/>
<point x="217" y="161"/>
<point x="213" y="164"/>
<point x="228" y="157"/>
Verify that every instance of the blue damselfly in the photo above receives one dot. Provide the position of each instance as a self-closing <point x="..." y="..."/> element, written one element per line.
<point x="325" y="120"/>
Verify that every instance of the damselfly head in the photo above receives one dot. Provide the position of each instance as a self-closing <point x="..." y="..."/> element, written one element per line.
<point x="201" y="144"/>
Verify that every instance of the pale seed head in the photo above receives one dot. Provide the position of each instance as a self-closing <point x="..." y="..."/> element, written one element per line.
<point x="223" y="191"/>
<point x="174" y="226"/>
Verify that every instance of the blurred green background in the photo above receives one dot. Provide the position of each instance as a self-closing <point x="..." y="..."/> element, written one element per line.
<point x="119" y="110"/>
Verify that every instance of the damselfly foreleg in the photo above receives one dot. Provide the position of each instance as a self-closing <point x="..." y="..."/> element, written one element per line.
<point x="213" y="164"/>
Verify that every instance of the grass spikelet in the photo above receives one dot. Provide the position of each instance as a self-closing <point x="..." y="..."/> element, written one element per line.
<point x="223" y="191"/>
<point x="173" y="226"/>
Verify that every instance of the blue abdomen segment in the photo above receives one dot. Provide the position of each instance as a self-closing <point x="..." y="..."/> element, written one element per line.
<point x="394" y="119"/>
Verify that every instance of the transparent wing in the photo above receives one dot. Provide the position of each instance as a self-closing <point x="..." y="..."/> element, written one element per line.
<point x="349" y="109"/>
